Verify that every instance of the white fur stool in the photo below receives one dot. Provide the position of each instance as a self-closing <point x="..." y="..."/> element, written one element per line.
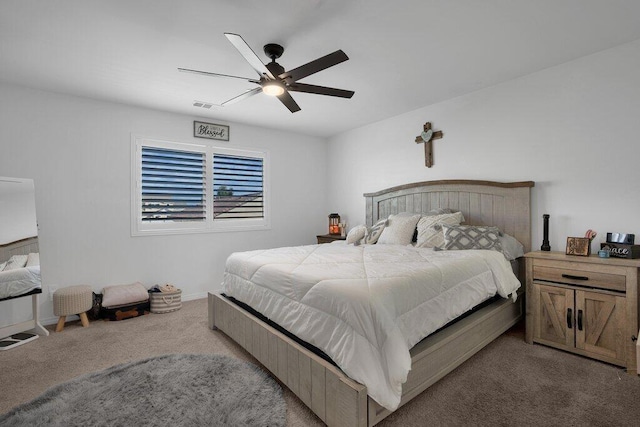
<point x="72" y="300"/>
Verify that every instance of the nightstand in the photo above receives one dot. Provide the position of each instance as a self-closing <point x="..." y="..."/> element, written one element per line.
<point x="328" y="238"/>
<point x="585" y="305"/>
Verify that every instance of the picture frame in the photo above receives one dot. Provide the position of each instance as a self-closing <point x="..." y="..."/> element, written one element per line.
<point x="210" y="131"/>
<point x="580" y="246"/>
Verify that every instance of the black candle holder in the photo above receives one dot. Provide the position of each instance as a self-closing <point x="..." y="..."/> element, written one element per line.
<point x="545" y="233"/>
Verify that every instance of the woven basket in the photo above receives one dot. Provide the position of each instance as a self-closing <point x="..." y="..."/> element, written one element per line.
<point x="165" y="302"/>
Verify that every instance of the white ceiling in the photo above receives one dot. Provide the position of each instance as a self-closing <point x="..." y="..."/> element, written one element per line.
<point x="403" y="54"/>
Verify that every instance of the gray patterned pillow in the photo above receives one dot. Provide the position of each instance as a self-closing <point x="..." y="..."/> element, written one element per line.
<point x="429" y="230"/>
<point x="438" y="211"/>
<point x="374" y="232"/>
<point x="471" y="237"/>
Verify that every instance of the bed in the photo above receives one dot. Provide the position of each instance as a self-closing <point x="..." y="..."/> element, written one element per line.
<point x="21" y="281"/>
<point x="333" y="395"/>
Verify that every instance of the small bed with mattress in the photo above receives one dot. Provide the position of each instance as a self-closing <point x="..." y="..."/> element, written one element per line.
<point x="357" y="330"/>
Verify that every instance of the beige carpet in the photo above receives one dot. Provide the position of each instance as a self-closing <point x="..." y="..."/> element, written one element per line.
<point x="507" y="383"/>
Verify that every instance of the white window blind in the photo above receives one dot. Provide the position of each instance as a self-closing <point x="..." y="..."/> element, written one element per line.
<point x="173" y="185"/>
<point x="193" y="188"/>
<point x="238" y="187"/>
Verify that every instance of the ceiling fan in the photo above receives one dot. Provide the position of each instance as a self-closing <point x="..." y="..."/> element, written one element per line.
<point x="274" y="80"/>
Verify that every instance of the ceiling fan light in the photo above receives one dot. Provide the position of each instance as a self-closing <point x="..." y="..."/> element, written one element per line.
<point x="273" y="89"/>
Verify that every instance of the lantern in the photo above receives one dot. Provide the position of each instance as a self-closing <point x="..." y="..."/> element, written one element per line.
<point x="334" y="223"/>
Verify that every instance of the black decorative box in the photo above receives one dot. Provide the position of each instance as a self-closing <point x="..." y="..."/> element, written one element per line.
<point x="620" y="250"/>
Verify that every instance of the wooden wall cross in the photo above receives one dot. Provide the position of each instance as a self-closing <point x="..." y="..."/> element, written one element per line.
<point x="427" y="136"/>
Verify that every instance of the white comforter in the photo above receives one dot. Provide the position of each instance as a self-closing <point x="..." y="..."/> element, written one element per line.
<point x="19" y="281"/>
<point x="366" y="306"/>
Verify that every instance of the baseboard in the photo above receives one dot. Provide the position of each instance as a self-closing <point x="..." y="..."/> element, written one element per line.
<point x="54" y="320"/>
<point x="191" y="297"/>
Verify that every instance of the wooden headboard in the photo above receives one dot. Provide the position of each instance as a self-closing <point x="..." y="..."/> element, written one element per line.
<point x="20" y="247"/>
<point x="506" y="205"/>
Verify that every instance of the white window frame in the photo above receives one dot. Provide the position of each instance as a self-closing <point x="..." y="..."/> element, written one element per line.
<point x="140" y="228"/>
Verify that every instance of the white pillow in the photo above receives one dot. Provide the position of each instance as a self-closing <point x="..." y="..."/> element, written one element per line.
<point x="33" y="259"/>
<point x="356" y="234"/>
<point x="399" y="230"/>
<point x="114" y="296"/>
<point x="373" y="233"/>
<point x="16" y="261"/>
<point x="511" y="248"/>
<point x="430" y="232"/>
<point x="2" y="265"/>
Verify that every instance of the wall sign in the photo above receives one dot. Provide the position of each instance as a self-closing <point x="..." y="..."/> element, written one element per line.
<point x="210" y="131"/>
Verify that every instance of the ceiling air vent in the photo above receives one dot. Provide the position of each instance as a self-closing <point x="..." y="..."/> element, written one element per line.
<point x="201" y="104"/>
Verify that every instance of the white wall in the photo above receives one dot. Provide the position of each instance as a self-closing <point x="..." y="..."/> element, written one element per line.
<point x="573" y="129"/>
<point x="78" y="152"/>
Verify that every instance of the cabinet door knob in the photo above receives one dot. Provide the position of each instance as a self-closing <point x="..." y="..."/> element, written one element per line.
<point x="571" y="276"/>
<point x="569" y="317"/>
<point x="579" y="320"/>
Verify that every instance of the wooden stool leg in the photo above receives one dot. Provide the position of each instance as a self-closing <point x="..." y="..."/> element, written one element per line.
<point x="84" y="319"/>
<point x="60" y="325"/>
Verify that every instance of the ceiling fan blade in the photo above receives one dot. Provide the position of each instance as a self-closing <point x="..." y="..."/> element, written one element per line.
<point x="288" y="101"/>
<point x="320" y="90"/>
<point x="243" y="95"/>
<point x="206" y="73"/>
<point x="249" y="55"/>
<point x="314" y="66"/>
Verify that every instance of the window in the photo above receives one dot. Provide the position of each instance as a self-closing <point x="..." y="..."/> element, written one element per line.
<point x="190" y="188"/>
<point x="173" y="185"/>
<point x="237" y="185"/>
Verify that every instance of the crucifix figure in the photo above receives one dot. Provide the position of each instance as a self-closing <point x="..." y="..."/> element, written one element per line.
<point x="427" y="136"/>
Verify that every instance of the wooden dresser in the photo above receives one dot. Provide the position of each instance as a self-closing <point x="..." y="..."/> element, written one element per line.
<point x="585" y="305"/>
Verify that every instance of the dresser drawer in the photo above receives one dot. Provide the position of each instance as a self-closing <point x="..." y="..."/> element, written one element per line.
<point x="614" y="282"/>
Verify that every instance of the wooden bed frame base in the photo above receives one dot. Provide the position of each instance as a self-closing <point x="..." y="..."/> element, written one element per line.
<point x="325" y="389"/>
<point x="334" y="397"/>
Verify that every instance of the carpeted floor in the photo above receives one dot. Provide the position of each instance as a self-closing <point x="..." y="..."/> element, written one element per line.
<point x="507" y="383"/>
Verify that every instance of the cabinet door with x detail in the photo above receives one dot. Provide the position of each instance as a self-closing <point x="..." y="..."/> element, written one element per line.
<point x="554" y="316"/>
<point x="600" y="324"/>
